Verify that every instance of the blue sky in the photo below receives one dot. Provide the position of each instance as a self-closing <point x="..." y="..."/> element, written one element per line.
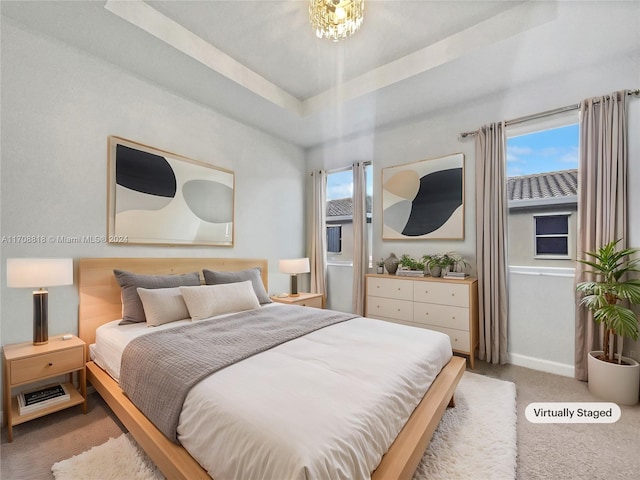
<point x="340" y="184"/>
<point x="546" y="151"/>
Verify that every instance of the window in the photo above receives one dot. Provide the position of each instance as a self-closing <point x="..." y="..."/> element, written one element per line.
<point x="542" y="183"/>
<point x="552" y="235"/>
<point x="334" y="238"/>
<point x="340" y="215"/>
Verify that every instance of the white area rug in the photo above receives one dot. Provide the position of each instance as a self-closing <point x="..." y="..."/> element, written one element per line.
<point x="475" y="440"/>
<point x="118" y="459"/>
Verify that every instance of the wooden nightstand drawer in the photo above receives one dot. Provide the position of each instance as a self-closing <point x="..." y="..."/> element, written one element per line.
<point x="42" y="366"/>
<point x="303" y="299"/>
<point x="311" y="302"/>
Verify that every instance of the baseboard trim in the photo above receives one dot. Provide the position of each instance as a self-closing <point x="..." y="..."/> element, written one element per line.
<point x="541" y="364"/>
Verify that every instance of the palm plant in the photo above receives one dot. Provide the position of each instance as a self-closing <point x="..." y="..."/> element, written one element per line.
<point x="602" y="296"/>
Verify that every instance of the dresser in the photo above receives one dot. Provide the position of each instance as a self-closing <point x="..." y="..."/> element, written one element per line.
<point x="447" y="305"/>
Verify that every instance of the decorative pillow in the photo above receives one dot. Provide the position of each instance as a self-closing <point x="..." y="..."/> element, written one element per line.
<point x="210" y="300"/>
<point x="253" y="274"/>
<point x="163" y="305"/>
<point x="132" y="309"/>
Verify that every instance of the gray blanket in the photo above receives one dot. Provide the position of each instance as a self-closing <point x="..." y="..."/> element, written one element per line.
<point x="158" y="369"/>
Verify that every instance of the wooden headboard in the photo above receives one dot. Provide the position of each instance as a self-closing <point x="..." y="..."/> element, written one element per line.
<point x="100" y="293"/>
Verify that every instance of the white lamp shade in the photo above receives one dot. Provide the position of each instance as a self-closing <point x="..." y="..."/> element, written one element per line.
<point x="294" y="265"/>
<point x="39" y="272"/>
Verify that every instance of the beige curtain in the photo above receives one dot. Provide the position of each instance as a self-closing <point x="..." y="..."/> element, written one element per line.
<point x="360" y="243"/>
<point x="318" y="240"/>
<point x="602" y="198"/>
<point x="491" y="242"/>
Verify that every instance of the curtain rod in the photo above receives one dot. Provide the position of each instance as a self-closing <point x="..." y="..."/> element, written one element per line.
<point x="547" y="113"/>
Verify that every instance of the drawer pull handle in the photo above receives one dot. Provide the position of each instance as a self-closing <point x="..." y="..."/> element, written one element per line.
<point x="51" y="364"/>
<point x="453" y="294"/>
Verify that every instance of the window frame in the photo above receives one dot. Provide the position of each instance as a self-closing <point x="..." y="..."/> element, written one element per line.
<point x="339" y="227"/>
<point x="552" y="256"/>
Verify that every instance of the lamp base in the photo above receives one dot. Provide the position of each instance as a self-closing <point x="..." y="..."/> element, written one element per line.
<point x="294" y="286"/>
<point x="40" y="317"/>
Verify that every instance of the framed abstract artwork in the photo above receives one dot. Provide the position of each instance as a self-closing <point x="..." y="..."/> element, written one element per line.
<point x="157" y="197"/>
<point x="424" y="200"/>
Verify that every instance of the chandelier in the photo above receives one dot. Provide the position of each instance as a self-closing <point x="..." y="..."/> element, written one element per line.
<point x="335" y="19"/>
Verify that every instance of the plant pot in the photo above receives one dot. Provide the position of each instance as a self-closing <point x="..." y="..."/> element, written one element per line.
<point x="435" y="271"/>
<point x="614" y="382"/>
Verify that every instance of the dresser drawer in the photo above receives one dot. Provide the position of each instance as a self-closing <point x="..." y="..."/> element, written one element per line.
<point x="441" y="293"/>
<point x="441" y="315"/>
<point x="42" y="366"/>
<point x="390" y="288"/>
<point x="459" y="339"/>
<point x="378" y="307"/>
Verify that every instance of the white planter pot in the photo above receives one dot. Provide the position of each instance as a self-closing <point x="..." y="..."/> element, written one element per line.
<point x="614" y="382"/>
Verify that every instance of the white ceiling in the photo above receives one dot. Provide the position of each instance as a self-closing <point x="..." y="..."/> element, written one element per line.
<point x="260" y="63"/>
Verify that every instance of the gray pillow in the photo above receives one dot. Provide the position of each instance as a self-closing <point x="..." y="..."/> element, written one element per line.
<point x="132" y="309"/>
<point x="253" y="274"/>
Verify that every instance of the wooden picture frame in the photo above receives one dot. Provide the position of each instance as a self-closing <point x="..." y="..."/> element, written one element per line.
<point x="424" y="200"/>
<point x="159" y="197"/>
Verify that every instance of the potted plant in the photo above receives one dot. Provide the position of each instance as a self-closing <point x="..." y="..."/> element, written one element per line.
<point x="380" y="265"/>
<point x="408" y="263"/>
<point x="613" y="377"/>
<point x="458" y="263"/>
<point x="434" y="263"/>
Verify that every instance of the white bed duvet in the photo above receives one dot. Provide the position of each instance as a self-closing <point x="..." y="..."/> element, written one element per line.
<point x="324" y="406"/>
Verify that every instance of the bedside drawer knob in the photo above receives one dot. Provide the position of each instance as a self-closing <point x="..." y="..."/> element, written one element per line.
<point x="51" y="364"/>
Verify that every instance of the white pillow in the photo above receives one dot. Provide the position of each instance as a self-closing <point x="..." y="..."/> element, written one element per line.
<point x="163" y="305"/>
<point x="211" y="300"/>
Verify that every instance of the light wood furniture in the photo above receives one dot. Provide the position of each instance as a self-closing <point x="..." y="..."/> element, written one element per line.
<point x="447" y="305"/>
<point x="97" y="306"/>
<point x="304" y="299"/>
<point x="26" y="363"/>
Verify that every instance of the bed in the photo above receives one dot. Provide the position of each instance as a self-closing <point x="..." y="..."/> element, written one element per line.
<point x="100" y="305"/>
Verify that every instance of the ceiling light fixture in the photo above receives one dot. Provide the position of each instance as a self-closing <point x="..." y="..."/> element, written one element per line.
<point x="335" y="19"/>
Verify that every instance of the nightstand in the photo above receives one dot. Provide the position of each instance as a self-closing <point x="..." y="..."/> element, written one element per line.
<point x="26" y="363"/>
<point x="315" y="300"/>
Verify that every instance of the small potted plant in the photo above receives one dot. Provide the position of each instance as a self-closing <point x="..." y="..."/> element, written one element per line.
<point x="613" y="377"/>
<point x="380" y="265"/>
<point x="434" y="263"/>
<point x="408" y="263"/>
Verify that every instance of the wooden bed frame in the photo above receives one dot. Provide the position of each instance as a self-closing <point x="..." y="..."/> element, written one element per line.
<point x="100" y="303"/>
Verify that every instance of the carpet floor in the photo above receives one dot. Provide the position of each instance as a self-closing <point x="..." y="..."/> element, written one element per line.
<point x="485" y="408"/>
<point x="545" y="451"/>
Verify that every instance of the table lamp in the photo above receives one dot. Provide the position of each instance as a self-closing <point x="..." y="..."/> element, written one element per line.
<point x="39" y="273"/>
<point x="294" y="266"/>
